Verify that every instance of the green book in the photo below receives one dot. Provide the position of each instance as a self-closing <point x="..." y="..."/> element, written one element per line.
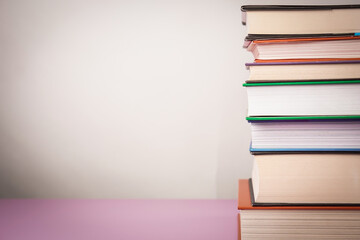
<point x="300" y="83"/>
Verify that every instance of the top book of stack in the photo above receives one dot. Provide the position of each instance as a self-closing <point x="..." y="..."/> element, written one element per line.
<point x="301" y="19"/>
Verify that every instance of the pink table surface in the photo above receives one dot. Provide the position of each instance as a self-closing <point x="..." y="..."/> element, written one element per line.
<point x="35" y="219"/>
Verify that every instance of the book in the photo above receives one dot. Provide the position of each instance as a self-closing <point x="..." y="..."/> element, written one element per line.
<point x="245" y="201"/>
<point x="304" y="60"/>
<point x="301" y="19"/>
<point x="253" y="37"/>
<point x="306" y="179"/>
<point x="304" y="134"/>
<point x="295" y="222"/>
<point x="312" y="98"/>
<point x="298" y="48"/>
<point x="316" y="69"/>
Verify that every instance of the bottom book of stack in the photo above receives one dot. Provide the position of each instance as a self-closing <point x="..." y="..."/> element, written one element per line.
<point x="295" y="222"/>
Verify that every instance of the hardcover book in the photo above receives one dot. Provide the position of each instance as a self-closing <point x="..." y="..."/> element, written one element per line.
<point x="304" y="134"/>
<point x="298" y="48"/>
<point x="295" y="222"/>
<point x="301" y="19"/>
<point x="315" y="70"/>
<point x="306" y="179"/>
<point x="312" y="98"/>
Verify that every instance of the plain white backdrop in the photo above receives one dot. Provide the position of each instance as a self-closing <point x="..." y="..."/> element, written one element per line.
<point x="123" y="99"/>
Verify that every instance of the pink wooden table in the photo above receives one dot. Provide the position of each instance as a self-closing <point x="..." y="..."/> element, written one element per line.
<point x="34" y="219"/>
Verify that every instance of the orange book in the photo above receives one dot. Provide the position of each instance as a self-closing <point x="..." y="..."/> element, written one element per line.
<point x="305" y="48"/>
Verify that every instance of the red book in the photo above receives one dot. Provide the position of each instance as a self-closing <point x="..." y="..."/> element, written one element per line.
<point x="305" y="48"/>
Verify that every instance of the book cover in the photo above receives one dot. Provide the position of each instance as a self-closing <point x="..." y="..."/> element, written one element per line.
<point x="302" y="70"/>
<point x="253" y="39"/>
<point x="301" y="83"/>
<point x="245" y="8"/>
<point x="257" y="151"/>
<point x="300" y="62"/>
<point x="303" y="60"/>
<point x="304" y="118"/>
<point x="300" y="19"/>
<point x="250" y="8"/>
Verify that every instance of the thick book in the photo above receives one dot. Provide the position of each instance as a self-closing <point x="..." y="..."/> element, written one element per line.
<point x="305" y="134"/>
<point x="301" y="19"/>
<point x="245" y="202"/>
<point x="315" y="70"/>
<point x="295" y="222"/>
<point x="312" y="98"/>
<point x="306" y="179"/>
<point x="299" y="48"/>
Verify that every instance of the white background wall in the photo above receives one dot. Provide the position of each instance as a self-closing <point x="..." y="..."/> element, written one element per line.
<point x="123" y="99"/>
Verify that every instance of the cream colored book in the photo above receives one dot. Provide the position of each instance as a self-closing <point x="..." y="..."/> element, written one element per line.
<point x="328" y="178"/>
<point x="301" y="19"/>
<point x="306" y="48"/>
<point x="276" y="71"/>
<point x="295" y="222"/>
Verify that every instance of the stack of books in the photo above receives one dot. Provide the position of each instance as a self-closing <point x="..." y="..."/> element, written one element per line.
<point x="304" y="110"/>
